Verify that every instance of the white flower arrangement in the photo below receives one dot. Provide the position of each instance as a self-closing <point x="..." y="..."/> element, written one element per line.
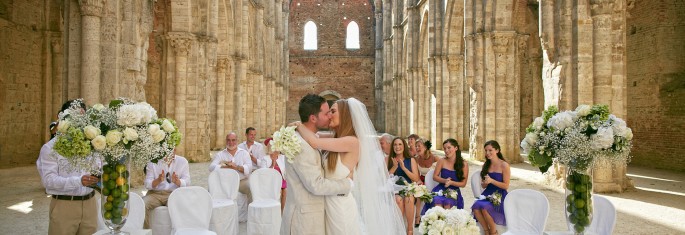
<point x="106" y="133"/>
<point x="438" y="220"/>
<point x="287" y="142"/>
<point x="576" y="138"/>
<point x="415" y="190"/>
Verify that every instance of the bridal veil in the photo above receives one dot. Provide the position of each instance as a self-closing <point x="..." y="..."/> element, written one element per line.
<point x="375" y="198"/>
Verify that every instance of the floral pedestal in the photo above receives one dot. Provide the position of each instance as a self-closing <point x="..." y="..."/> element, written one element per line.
<point x="115" y="187"/>
<point x="578" y="200"/>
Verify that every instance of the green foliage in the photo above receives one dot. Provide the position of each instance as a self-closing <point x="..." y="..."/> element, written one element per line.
<point x="114" y="104"/>
<point x="72" y="144"/>
<point x="600" y="110"/>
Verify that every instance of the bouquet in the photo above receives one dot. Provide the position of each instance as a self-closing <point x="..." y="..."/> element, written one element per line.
<point x="438" y="220"/>
<point x="448" y="193"/>
<point x="287" y="142"/>
<point x="576" y="138"/>
<point x="88" y="137"/>
<point x="418" y="191"/>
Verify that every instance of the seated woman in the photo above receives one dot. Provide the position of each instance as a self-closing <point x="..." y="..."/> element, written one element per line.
<point x="451" y="173"/>
<point x="495" y="175"/>
<point x="401" y="164"/>
<point x="275" y="160"/>
<point x="426" y="161"/>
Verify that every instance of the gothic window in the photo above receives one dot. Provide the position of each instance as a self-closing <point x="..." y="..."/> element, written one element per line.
<point x="310" y="36"/>
<point x="352" y="41"/>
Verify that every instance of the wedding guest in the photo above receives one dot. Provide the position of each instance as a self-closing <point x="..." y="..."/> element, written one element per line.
<point x="411" y="141"/>
<point x="401" y="164"/>
<point x="426" y="161"/>
<point x="237" y="159"/>
<point x="73" y="209"/>
<point x="386" y="145"/>
<point x="161" y="179"/>
<point x="451" y="173"/>
<point x="495" y="175"/>
<point x="275" y="160"/>
<point x="253" y="148"/>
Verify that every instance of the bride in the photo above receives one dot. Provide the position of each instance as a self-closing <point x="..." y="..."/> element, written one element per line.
<point x="355" y="152"/>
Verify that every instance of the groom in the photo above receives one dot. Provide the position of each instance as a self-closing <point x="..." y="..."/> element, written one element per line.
<point x="304" y="207"/>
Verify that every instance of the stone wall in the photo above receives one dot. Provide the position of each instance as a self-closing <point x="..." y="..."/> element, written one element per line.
<point x="656" y="82"/>
<point x="332" y="68"/>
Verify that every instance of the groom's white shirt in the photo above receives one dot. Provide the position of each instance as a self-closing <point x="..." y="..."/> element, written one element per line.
<point x="304" y="207"/>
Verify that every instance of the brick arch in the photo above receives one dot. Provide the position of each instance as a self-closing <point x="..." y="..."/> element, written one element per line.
<point x="330" y="95"/>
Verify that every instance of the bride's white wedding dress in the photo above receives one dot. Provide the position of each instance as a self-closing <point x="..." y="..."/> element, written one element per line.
<point x="342" y="216"/>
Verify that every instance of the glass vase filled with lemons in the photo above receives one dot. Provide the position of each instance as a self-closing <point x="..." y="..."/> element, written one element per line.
<point x="578" y="199"/>
<point x="115" y="189"/>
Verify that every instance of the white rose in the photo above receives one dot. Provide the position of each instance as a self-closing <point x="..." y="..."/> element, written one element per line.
<point x="603" y="139"/>
<point x="583" y="110"/>
<point x="167" y="126"/>
<point x="113" y="137"/>
<point x="439" y="225"/>
<point x="152" y="128"/>
<point x="158" y="136"/>
<point x="63" y="126"/>
<point x="99" y="142"/>
<point x="98" y="107"/>
<point x="130" y="134"/>
<point x="91" y="132"/>
<point x="448" y="230"/>
<point x="538" y="122"/>
<point x="531" y="138"/>
<point x="629" y="134"/>
<point x="418" y="193"/>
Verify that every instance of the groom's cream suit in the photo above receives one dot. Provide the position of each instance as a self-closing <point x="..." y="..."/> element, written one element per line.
<point x="304" y="207"/>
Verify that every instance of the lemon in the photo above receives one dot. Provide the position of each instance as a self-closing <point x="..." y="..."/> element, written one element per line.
<point x="120" y="181"/>
<point x="116" y="220"/>
<point x="108" y="206"/>
<point x="124" y="212"/>
<point x="116" y="193"/>
<point x="124" y="196"/>
<point x="580" y="203"/>
<point x="110" y="198"/>
<point x="581" y="188"/>
<point x="121" y="168"/>
<point x="105" y="191"/>
<point x="105" y="177"/>
<point x="108" y="215"/>
<point x="124" y="188"/>
<point x="113" y="175"/>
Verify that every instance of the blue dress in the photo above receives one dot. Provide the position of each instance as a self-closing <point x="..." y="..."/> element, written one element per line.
<point x="399" y="172"/>
<point x="497" y="213"/>
<point x="459" y="202"/>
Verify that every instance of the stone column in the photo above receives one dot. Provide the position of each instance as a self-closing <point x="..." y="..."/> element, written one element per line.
<point x="91" y="11"/>
<point x="221" y="88"/>
<point x="181" y="45"/>
<point x="58" y="83"/>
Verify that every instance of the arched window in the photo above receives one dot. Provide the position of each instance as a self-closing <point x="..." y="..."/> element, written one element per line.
<point x="352" y="41"/>
<point x="310" y="36"/>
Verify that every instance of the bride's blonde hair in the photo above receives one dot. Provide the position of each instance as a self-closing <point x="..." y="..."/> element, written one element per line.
<point x="345" y="128"/>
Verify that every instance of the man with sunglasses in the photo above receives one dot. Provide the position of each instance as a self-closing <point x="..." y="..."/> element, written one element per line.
<point x="161" y="179"/>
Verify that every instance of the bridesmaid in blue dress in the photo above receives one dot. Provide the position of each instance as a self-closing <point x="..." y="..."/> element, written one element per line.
<point x="495" y="178"/>
<point x="400" y="163"/>
<point x="450" y="173"/>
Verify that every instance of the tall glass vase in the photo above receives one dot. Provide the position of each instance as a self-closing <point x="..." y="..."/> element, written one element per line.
<point x="578" y="199"/>
<point x="115" y="187"/>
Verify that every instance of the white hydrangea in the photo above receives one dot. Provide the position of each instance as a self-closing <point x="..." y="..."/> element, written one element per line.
<point x="538" y="122"/>
<point x="603" y="139"/>
<point x="562" y="120"/>
<point x="136" y="114"/>
<point x="583" y="110"/>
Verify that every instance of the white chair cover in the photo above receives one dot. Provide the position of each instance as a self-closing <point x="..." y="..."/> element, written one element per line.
<point x="430" y="183"/>
<point x="223" y="186"/>
<point x="603" y="216"/>
<point x="264" y="213"/>
<point x="160" y="221"/>
<point x="526" y="211"/>
<point x="136" y="214"/>
<point x="190" y="209"/>
<point x="475" y="183"/>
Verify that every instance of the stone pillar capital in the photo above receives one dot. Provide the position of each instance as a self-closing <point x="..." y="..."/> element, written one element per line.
<point x="181" y="42"/>
<point x="221" y="65"/>
<point x="601" y="7"/>
<point x="56" y="45"/>
<point x="91" y="7"/>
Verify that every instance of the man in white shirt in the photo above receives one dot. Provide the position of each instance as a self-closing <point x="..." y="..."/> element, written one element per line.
<point x="254" y="148"/>
<point x="161" y="179"/>
<point x="73" y="209"/>
<point x="386" y="143"/>
<point x="237" y="159"/>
